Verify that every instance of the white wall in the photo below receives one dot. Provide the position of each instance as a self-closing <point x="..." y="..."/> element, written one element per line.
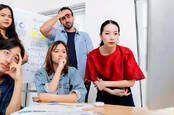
<point x="122" y="11"/>
<point x="44" y="5"/>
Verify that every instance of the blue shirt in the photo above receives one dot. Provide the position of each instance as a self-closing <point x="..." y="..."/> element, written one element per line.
<point x="83" y="46"/>
<point x="6" y="91"/>
<point x="68" y="83"/>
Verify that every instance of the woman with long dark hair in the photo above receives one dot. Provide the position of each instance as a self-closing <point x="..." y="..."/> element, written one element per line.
<point x="7" y="26"/>
<point x="58" y="82"/>
<point x="11" y="54"/>
<point x="112" y="68"/>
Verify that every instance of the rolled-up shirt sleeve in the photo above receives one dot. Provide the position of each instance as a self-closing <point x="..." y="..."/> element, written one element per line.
<point x="78" y="86"/>
<point x="40" y="81"/>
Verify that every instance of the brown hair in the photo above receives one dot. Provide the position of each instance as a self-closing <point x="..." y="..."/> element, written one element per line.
<point x="48" y="61"/>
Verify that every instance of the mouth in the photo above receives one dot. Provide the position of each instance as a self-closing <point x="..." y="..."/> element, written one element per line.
<point x="111" y="43"/>
<point x="5" y="66"/>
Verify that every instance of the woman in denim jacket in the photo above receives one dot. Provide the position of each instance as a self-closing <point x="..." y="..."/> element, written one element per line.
<point x="58" y="82"/>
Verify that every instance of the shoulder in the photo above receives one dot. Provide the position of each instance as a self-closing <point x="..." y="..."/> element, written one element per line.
<point x="72" y="70"/>
<point x="124" y="50"/>
<point x="40" y="72"/>
<point x="93" y="52"/>
<point x="85" y="34"/>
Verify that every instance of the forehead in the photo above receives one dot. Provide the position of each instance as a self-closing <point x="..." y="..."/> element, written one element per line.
<point x="60" y="46"/>
<point x="110" y="27"/>
<point x="66" y="11"/>
<point x="5" y="11"/>
<point x="15" y="50"/>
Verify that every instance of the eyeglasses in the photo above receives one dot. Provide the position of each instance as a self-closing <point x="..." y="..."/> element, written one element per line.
<point x="14" y="57"/>
<point x="66" y="16"/>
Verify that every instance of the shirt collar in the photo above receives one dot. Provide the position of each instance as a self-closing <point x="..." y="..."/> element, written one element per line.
<point x="77" y="32"/>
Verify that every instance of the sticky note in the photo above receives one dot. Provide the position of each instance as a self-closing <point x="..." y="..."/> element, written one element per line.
<point x="34" y="34"/>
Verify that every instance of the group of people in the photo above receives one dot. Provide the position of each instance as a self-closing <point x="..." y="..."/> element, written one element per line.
<point x="71" y="64"/>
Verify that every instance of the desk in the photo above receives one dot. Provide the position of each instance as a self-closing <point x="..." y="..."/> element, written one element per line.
<point x="124" y="110"/>
<point x="103" y="110"/>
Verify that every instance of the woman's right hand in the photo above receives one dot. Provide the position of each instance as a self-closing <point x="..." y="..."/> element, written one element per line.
<point x="61" y="64"/>
<point x="119" y="92"/>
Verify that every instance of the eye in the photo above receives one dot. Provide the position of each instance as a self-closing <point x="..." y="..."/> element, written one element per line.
<point x="15" y="59"/>
<point x="2" y="15"/>
<point x="64" y="51"/>
<point x="107" y="33"/>
<point x="116" y="33"/>
<point x="6" y="53"/>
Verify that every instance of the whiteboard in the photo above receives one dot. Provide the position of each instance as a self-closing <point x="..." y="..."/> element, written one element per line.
<point x="36" y="45"/>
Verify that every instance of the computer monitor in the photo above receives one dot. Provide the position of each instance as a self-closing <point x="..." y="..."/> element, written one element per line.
<point x="160" y="79"/>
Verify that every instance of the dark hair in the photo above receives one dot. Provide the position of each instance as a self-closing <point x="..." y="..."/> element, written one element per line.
<point x="10" y="31"/>
<point x="48" y="61"/>
<point x="11" y="43"/>
<point x="66" y="8"/>
<point x="106" y="23"/>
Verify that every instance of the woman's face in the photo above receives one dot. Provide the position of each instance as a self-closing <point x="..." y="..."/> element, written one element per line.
<point x="110" y="35"/>
<point x="59" y="53"/>
<point x="8" y="57"/>
<point x="5" y="18"/>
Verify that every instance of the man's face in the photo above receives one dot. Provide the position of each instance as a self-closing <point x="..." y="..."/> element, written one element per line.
<point x="67" y="20"/>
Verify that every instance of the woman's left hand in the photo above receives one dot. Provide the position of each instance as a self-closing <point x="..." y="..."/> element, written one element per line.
<point x="43" y="97"/>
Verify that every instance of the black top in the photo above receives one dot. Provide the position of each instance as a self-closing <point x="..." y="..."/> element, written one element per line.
<point x="71" y="49"/>
<point x="6" y="91"/>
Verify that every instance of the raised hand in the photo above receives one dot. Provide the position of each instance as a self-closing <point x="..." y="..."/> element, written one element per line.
<point x="15" y="70"/>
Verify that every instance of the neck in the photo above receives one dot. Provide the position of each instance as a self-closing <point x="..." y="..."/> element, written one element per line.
<point x="105" y="50"/>
<point x="3" y="32"/>
<point x="72" y="29"/>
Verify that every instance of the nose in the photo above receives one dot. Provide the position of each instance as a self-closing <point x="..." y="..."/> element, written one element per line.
<point x="9" y="59"/>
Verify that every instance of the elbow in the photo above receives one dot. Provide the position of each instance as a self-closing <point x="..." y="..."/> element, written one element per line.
<point x="132" y="82"/>
<point x="42" y="30"/>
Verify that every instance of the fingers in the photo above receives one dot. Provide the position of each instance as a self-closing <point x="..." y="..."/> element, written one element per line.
<point x="36" y="99"/>
<point x="20" y="60"/>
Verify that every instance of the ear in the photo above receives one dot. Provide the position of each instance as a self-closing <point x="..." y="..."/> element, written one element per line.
<point x="101" y="37"/>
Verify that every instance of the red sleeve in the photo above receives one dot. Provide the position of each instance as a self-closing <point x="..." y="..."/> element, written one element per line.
<point x="90" y="73"/>
<point x="132" y="70"/>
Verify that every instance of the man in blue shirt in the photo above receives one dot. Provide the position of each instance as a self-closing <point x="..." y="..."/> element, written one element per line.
<point x="79" y="43"/>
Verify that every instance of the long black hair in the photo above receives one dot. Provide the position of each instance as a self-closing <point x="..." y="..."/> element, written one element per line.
<point x="106" y="23"/>
<point x="10" y="31"/>
<point x="11" y="43"/>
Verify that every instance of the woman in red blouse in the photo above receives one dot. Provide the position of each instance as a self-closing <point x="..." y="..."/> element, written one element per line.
<point x="112" y="68"/>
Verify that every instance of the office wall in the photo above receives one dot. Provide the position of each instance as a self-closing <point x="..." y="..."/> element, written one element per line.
<point x="122" y="11"/>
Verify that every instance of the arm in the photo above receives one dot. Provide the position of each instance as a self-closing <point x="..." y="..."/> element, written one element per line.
<point x="46" y="28"/>
<point x="119" y="84"/>
<point x="16" y="74"/>
<point x="15" y="102"/>
<point x="89" y="44"/>
<point x="47" y="97"/>
<point x="55" y="81"/>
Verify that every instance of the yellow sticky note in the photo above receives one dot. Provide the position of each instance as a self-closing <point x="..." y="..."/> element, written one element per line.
<point x="42" y="36"/>
<point x="34" y="34"/>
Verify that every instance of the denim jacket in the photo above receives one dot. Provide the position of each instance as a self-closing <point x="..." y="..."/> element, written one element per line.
<point x="83" y="46"/>
<point x="68" y="83"/>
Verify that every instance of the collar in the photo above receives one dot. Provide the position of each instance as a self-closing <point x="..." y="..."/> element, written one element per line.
<point x="76" y="31"/>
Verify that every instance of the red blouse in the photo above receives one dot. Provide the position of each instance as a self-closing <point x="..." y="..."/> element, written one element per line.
<point x="120" y="65"/>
